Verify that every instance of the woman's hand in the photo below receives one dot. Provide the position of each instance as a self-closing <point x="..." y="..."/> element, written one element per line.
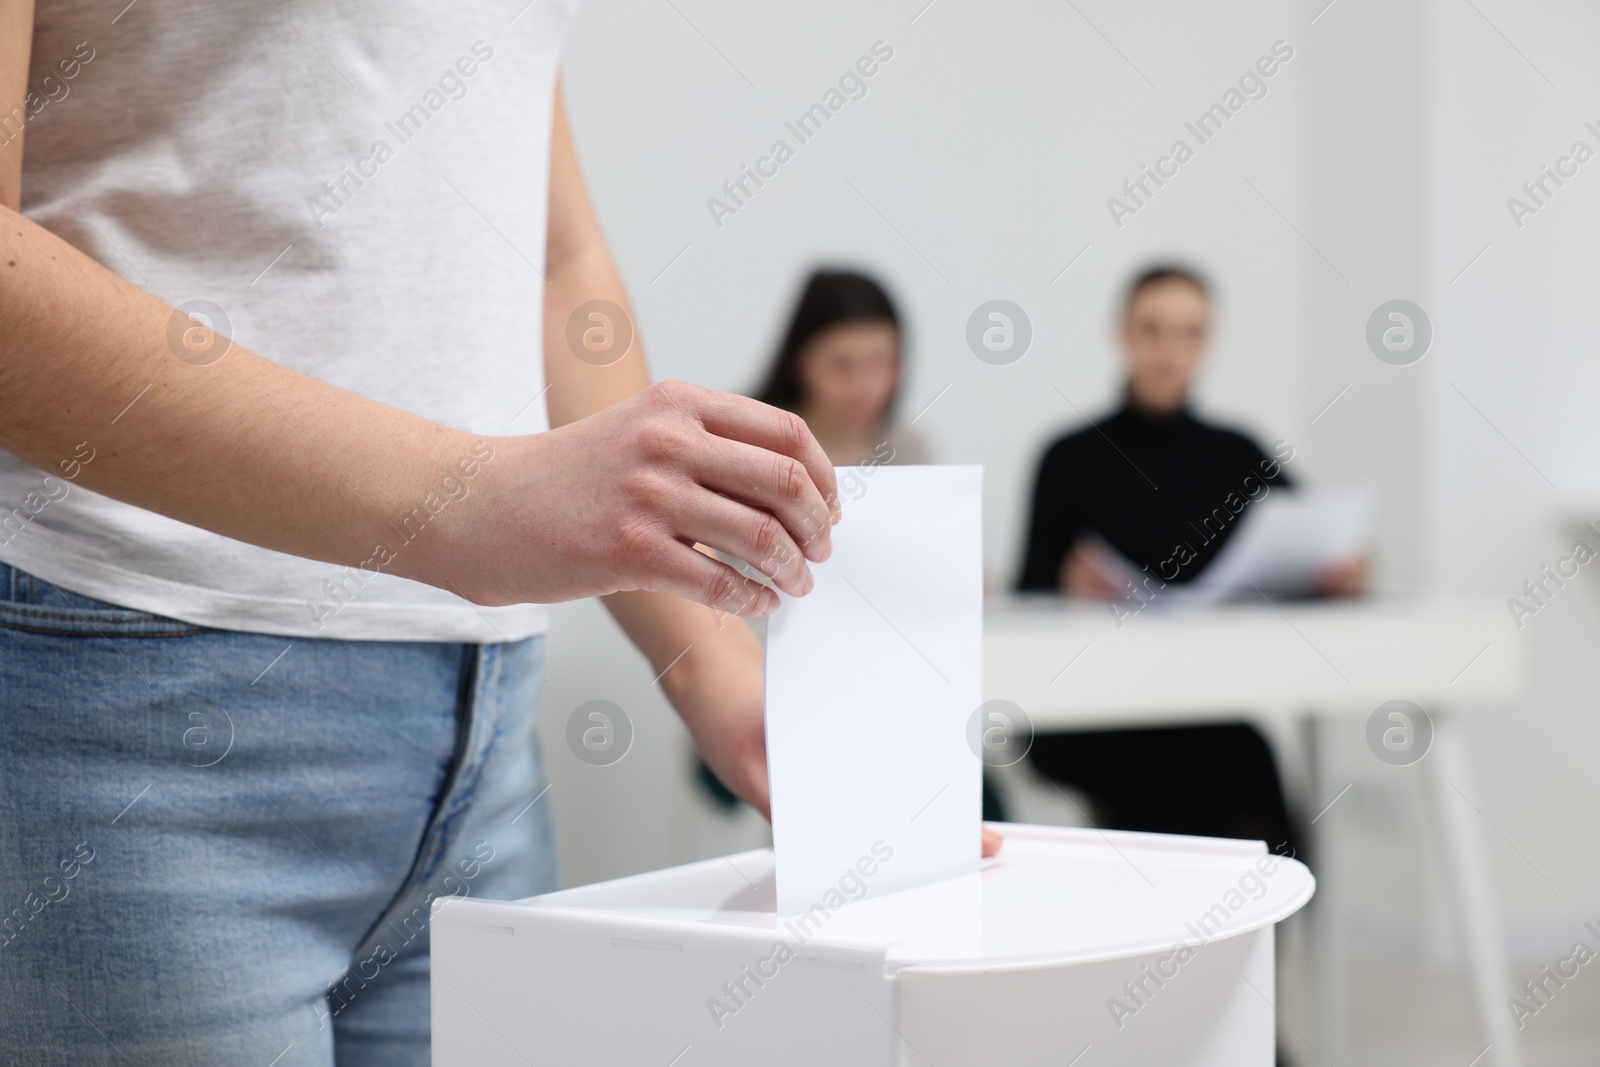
<point x="1084" y="574"/>
<point x="616" y="501"/>
<point x="1345" y="578"/>
<point x="720" y="696"/>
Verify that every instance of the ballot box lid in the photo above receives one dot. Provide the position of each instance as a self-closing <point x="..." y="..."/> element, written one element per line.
<point x="1053" y="896"/>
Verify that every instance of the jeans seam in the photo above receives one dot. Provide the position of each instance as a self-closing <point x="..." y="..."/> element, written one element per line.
<point x="456" y="794"/>
<point x="129" y="634"/>
<point x="480" y="746"/>
<point x="122" y="618"/>
<point x="22" y="607"/>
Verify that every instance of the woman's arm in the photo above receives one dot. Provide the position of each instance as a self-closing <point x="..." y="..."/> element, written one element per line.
<point x="1054" y="525"/>
<point x="16" y="42"/>
<point x="250" y="449"/>
<point x="713" y="664"/>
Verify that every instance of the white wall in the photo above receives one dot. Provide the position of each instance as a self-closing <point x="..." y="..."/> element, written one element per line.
<point x="1512" y="466"/>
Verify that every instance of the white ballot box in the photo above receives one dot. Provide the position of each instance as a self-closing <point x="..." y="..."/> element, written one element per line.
<point x="1073" y="946"/>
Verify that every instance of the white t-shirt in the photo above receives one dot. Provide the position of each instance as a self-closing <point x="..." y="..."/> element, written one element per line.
<point x="360" y="187"/>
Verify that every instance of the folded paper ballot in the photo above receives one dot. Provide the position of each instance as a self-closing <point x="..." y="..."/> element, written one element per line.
<point x="871" y="678"/>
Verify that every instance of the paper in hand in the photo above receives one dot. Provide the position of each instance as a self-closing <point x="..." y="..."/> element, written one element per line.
<point x="871" y="680"/>
<point x="1285" y="539"/>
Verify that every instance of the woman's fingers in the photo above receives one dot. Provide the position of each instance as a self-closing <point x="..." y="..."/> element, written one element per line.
<point x="991" y="842"/>
<point x="747" y="533"/>
<point x="680" y="465"/>
<point x="781" y="484"/>
<point x="739" y="418"/>
<point x="665" y="564"/>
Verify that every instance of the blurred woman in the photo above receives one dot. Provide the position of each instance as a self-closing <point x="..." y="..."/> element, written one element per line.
<point x="840" y="368"/>
<point x="1097" y="487"/>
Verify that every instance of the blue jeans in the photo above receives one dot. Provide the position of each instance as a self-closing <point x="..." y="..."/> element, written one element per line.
<point x="220" y="847"/>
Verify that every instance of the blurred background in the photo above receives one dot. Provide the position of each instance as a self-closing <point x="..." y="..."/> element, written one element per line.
<point x="978" y="166"/>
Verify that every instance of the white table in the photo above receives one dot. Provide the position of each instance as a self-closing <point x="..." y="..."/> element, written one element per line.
<point x="1079" y="667"/>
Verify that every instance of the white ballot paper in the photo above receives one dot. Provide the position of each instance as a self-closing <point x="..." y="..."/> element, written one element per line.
<point x="871" y="678"/>
<point x="1278" y="546"/>
<point x="1284" y="540"/>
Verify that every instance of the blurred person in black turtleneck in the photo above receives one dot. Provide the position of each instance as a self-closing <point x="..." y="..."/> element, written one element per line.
<point x="1151" y="480"/>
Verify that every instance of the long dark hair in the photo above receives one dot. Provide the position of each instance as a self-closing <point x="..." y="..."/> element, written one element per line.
<point x="830" y="298"/>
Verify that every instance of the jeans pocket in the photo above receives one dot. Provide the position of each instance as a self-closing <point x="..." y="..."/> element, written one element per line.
<point x="35" y="605"/>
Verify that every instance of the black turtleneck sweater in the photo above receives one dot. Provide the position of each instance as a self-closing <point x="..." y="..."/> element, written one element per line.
<point x="1163" y="489"/>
